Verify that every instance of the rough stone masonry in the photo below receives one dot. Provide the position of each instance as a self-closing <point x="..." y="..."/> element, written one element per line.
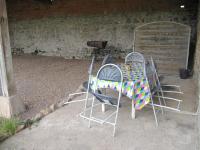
<point x="63" y="27"/>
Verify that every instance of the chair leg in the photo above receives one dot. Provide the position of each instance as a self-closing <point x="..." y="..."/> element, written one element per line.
<point x="116" y="116"/>
<point x="157" y="78"/>
<point x="103" y="107"/>
<point x="87" y="95"/>
<point x="114" y="130"/>
<point x="160" y="103"/>
<point x="178" y="106"/>
<point x="133" y="110"/>
<point x="85" y="107"/>
<point x="91" y="112"/>
<point x="154" y="112"/>
<point x="163" y="96"/>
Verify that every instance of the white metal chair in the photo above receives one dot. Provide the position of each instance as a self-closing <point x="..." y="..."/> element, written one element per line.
<point x="109" y="72"/>
<point x="159" y="92"/>
<point x="87" y="86"/>
<point x="137" y="59"/>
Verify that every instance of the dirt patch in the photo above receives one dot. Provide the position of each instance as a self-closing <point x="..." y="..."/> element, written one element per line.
<point x="42" y="81"/>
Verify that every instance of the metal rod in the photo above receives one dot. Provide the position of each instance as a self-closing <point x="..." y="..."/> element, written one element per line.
<point x="170" y="98"/>
<point x="76" y="93"/>
<point x="77" y="101"/>
<point x="171" y="85"/>
<point x="176" y="92"/>
<point x="96" y="120"/>
<point x="110" y="116"/>
<point x="166" y="107"/>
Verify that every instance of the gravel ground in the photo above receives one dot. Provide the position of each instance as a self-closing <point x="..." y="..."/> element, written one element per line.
<point x="42" y="81"/>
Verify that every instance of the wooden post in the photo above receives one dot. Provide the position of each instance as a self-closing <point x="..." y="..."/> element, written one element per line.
<point x="6" y="47"/>
<point x="3" y="75"/>
<point x="10" y="102"/>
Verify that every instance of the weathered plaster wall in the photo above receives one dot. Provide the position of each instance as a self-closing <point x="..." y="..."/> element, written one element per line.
<point x="62" y="29"/>
<point x="197" y="73"/>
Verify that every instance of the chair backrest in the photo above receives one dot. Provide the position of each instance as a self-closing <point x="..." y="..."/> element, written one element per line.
<point x="134" y="57"/>
<point x="108" y="59"/>
<point x="110" y="72"/>
<point x="91" y="66"/>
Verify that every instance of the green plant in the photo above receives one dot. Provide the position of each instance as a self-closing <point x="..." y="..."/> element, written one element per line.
<point x="8" y="126"/>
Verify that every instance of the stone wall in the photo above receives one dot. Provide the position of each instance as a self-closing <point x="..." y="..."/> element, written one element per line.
<point x="63" y="28"/>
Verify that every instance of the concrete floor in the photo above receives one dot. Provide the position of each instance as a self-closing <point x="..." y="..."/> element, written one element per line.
<point x="64" y="130"/>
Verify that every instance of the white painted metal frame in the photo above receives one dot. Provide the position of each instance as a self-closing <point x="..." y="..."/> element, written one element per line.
<point x="161" y="91"/>
<point x="151" y="98"/>
<point x="101" y="121"/>
<point x="189" y="35"/>
<point x="178" y="91"/>
<point x="177" y="87"/>
<point x="87" y="92"/>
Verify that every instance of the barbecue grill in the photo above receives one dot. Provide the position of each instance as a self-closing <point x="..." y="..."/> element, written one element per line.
<point x="98" y="48"/>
